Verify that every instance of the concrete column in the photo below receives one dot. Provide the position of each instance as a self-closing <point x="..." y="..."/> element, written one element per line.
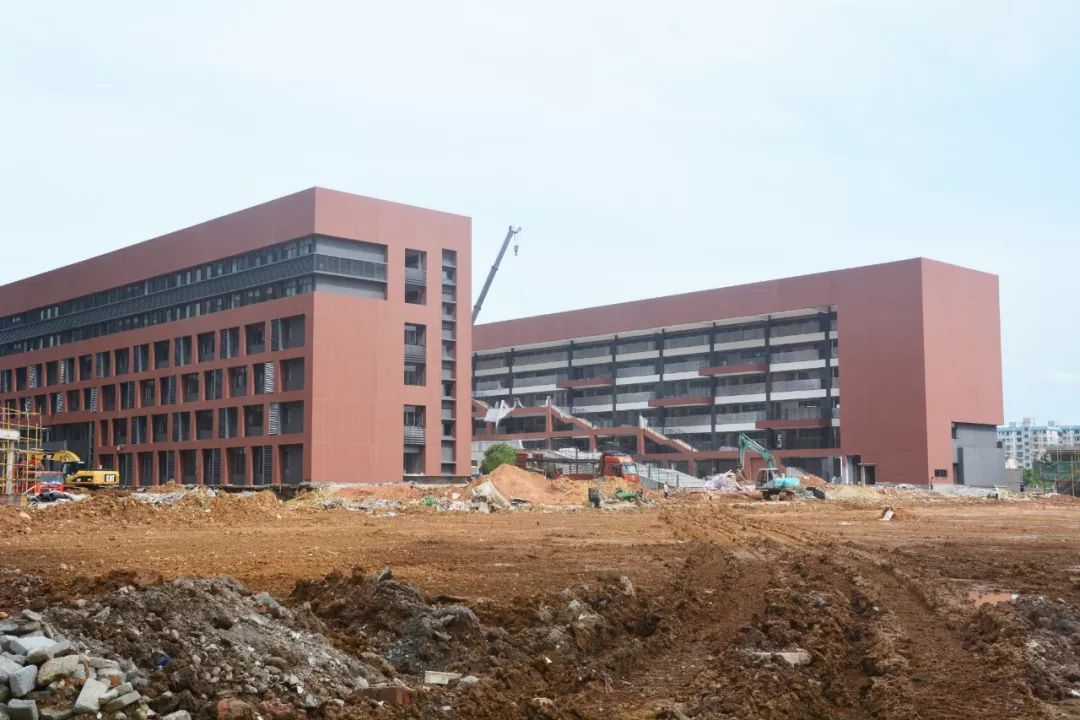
<point x="275" y="465"/>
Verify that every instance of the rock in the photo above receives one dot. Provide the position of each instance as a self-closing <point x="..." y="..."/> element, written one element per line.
<point x="57" y="668"/>
<point x="89" y="700"/>
<point x="233" y="709"/>
<point x="122" y="702"/>
<point x="393" y="695"/>
<point x="23" y="681"/>
<point x="22" y="710"/>
<point x="164" y="703"/>
<point x="627" y="586"/>
<point x="278" y="662"/>
<point x="39" y="656"/>
<point x="112" y="676"/>
<point x="361" y="682"/>
<point x="5" y="691"/>
<point x="32" y="616"/>
<point x="223" y="621"/>
<point x="56" y="713"/>
<point x="99" y="663"/>
<point x="178" y="715"/>
<point x="62" y="647"/>
<point x="384" y="575"/>
<point x="28" y="643"/>
<point x="468" y="681"/>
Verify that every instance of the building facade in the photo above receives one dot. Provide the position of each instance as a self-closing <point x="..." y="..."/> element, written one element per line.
<point x="317" y="337"/>
<point x="1027" y="441"/>
<point x="910" y="350"/>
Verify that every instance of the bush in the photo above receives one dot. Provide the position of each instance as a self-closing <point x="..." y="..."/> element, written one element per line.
<point x="496" y="455"/>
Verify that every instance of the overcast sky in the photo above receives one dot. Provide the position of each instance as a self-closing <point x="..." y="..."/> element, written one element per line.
<point x="763" y="138"/>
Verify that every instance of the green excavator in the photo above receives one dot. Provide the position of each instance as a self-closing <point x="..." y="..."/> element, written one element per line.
<point x="772" y="481"/>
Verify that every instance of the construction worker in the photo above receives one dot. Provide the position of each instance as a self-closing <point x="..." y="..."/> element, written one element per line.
<point x="667" y="490"/>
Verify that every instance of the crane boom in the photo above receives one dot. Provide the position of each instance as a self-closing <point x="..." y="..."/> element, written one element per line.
<point x="511" y="232"/>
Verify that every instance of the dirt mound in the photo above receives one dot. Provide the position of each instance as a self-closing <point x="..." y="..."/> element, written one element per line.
<point x="199" y="641"/>
<point x="515" y="483"/>
<point x="19" y="591"/>
<point x="375" y="613"/>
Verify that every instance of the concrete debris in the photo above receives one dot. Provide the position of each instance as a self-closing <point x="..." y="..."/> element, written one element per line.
<point x="22" y="710"/>
<point x="188" y="644"/>
<point x="22" y="682"/>
<point x="434" y="677"/>
<point x="887" y="514"/>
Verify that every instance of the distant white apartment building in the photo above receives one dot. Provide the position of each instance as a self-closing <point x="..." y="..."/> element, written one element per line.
<point x="1026" y="441"/>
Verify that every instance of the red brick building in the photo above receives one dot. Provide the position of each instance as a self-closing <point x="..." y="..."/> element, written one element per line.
<point x="316" y="337"/>
<point x="911" y="350"/>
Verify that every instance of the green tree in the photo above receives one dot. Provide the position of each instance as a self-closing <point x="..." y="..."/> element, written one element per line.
<point x="496" y="455"/>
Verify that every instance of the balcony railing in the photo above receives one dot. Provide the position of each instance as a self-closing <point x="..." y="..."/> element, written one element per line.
<point x="415" y="276"/>
<point x="794" y="385"/>
<point x="743" y="389"/>
<point x="737" y="418"/>
<point x="415" y="352"/>
<point x="796" y="356"/>
<point x="415" y="435"/>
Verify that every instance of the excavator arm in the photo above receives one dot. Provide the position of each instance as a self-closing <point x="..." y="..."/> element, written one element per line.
<point x="748" y="443"/>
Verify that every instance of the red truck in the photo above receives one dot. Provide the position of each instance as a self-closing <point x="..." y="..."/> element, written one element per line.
<point x="608" y="465"/>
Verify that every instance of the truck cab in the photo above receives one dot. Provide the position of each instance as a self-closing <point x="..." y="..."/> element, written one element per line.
<point x="619" y="465"/>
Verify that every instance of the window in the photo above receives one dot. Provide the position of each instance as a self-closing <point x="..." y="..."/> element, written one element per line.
<point x="206" y="347"/>
<point x="238" y="381"/>
<point x="256" y="338"/>
<point x="414" y="335"/>
<point x="414" y="373"/>
<point x="415" y="277"/>
<point x="414" y="416"/>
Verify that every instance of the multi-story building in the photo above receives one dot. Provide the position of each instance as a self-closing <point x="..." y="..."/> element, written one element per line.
<point x="316" y="337"/>
<point x="911" y="350"/>
<point x="1027" y="441"/>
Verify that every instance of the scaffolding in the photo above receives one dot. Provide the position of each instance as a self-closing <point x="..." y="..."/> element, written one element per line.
<point x="20" y="450"/>
<point x="1058" y="471"/>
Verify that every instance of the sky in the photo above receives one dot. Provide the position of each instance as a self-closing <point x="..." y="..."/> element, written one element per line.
<point x="749" y="140"/>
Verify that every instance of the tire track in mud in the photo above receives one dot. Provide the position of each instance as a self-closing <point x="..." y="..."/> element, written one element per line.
<point x="935" y="674"/>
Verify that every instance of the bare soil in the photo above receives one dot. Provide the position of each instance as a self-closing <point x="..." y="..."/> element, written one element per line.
<point x="666" y="611"/>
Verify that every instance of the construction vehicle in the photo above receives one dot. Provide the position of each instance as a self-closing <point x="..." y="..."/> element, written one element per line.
<point x="772" y="480"/>
<point x="73" y="472"/>
<point x="510" y="233"/>
<point x="610" y="464"/>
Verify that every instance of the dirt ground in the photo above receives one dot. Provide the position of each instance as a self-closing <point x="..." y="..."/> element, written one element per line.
<point x="959" y="608"/>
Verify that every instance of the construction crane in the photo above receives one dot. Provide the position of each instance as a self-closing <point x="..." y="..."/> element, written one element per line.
<point x="771" y="480"/>
<point x="511" y="232"/>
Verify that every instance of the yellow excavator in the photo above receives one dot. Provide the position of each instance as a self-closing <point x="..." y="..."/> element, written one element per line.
<point x="74" y="472"/>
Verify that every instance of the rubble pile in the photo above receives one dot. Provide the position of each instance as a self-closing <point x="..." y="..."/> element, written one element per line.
<point x="43" y="675"/>
<point x="376" y="613"/>
<point x="209" y="648"/>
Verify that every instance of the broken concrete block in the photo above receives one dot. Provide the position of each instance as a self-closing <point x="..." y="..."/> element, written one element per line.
<point x="8" y="666"/>
<point x="22" y="710"/>
<point x="393" y="695"/>
<point x="56" y="713"/>
<point x="434" y="677"/>
<point x="22" y="682"/>
<point x="89" y="700"/>
<point x="122" y="702"/>
<point x="57" y="668"/>
<point x="32" y="616"/>
<point x="28" y="643"/>
<point x="178" y="715"/>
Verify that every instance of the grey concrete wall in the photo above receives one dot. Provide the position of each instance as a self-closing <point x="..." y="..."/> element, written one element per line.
<point x="981" y="462"/>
